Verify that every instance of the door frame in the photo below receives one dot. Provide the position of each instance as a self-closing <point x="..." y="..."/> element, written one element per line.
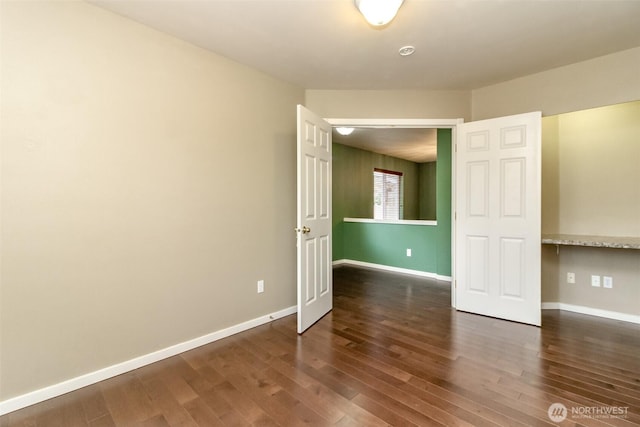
<point x="427" y="124"/>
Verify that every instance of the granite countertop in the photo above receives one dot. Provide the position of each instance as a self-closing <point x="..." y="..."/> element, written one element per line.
<point x="592" y="241"/>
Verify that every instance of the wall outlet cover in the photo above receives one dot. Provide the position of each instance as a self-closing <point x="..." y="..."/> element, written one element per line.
<point x="595" y="281"/>
<point x="607" y="282"/>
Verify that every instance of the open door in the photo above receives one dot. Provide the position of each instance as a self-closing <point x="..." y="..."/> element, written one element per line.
<point x="497" y="221"/>
<point x="315" y="276"/>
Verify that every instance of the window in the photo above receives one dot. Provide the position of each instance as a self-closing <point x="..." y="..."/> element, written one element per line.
<point x="387" y="194"/>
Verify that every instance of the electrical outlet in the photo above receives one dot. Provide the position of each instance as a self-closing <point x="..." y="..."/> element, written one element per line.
<point x="408" y="252"/>
<point x="595" y="281"/>
<point x="571" y="277"/>
<point x="260" y="286"/>
<point x="607" y="282"/>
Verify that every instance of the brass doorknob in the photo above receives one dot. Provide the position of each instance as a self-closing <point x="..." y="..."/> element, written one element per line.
<point x="304" y="230"/>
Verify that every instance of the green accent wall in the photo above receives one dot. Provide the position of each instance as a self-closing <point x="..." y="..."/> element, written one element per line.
<point x="427" y="201"/>
<point x="443" y="207"/>
<point x="386" y="244"/>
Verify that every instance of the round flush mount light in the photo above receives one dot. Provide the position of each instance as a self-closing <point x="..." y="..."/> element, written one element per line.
<point x="378" y="12"/>
<point x="406" y="50"/>
<point x="344" y="131"/>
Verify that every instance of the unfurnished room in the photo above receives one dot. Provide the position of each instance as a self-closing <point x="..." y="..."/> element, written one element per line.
<point x="319" y="212"/>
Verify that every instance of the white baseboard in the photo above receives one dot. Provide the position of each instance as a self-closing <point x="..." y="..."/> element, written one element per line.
<point x="76" y="383"/>
<point x="614" y="315"/>
<point x="393" y="269"/>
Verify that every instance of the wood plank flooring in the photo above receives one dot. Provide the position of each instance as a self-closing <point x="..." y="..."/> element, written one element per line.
<point x="392" y="352"/>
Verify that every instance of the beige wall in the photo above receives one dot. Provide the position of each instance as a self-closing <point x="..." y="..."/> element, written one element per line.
<point x="591" y="171"/>
<point x="133" y="166"/>
<point x="607" y="80"/>
<point x="623" y="265"/>
<point x="390" y="104"/>
<point x="550" y="175"/>
<point x="599" y="171"/>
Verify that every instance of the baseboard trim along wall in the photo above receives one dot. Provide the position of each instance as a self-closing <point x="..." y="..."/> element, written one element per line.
<point x="613" y="315"/>
<point x="390" y="268"/>
<point x="72" y="384"/>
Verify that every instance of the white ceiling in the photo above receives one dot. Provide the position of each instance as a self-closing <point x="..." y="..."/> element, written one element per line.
<point x="414" y="144"/>
<point x="460" y="44"/>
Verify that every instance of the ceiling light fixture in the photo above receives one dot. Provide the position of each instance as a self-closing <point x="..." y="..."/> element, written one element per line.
<point x="344" y="131"/>
<point x="378" y="12"/>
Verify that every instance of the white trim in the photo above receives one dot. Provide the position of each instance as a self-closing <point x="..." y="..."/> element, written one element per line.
<point x="614" y="315"/>
<point x="392" y="221"/>
<point x="390" y="268"/>
<point x="76" y="383"/>
<point x="392" y="123"/>
<point x="454" y="152"/>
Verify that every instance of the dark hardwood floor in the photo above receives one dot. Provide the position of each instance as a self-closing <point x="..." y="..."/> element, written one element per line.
<point x="392" y="352"/>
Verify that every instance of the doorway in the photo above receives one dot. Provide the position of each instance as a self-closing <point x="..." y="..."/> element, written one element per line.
<point x="506" y="168"/>
<point x="429" y="250"/>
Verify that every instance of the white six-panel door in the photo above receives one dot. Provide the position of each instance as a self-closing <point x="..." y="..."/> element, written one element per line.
<point x="315" y="277"/>
<point x="497" y="222"/>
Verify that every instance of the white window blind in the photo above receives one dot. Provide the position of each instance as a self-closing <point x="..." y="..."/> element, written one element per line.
<point x="387" y="194"/>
